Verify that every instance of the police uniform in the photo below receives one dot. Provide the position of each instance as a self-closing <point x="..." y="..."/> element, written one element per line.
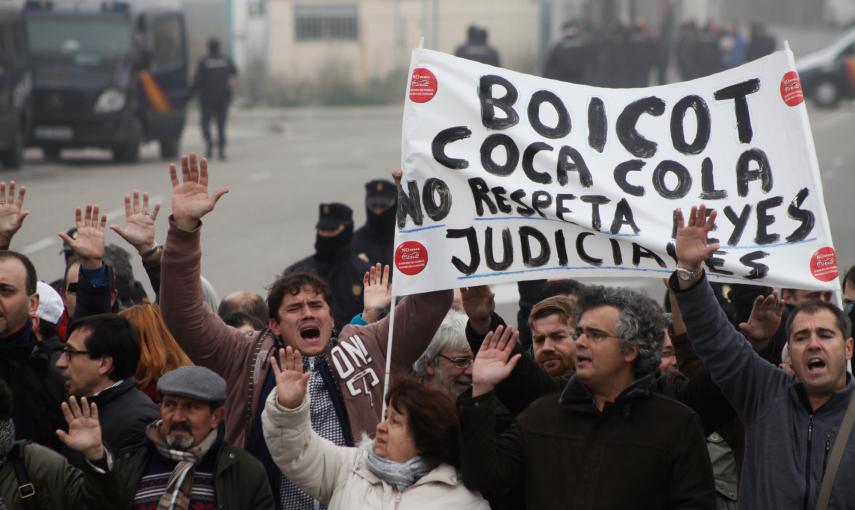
<point x="335" y="261"/>
<point x="375" y="241"/>
<point x="212" y="84"/>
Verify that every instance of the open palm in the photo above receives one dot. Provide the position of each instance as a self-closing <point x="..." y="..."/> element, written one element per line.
<point x="139" y="231"/>
<point x="190" y="198"/>
<point x="691" y="240"/>
<point x="84" y="429"/>
<point x="291" y="382"/>
<point x="493" y="363"/>
<point x="12" y="211"/>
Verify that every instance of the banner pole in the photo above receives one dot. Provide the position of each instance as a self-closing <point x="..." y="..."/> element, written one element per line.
<point x="389" y="353"/>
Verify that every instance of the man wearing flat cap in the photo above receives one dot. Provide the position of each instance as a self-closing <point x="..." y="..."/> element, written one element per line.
<point x="184" y="463"/>
<point x="335" y="261"/>
<point x="374" y="242"/>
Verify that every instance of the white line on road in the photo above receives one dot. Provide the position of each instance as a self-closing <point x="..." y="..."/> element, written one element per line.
<point x="47" y="242"/>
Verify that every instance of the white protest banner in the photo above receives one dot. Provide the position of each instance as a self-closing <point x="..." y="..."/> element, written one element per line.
<point x="510" y="177"/>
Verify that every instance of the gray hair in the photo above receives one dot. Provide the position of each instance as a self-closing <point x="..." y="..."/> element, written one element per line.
<point x="450" y="335"/>
<point x="642" y="322"/>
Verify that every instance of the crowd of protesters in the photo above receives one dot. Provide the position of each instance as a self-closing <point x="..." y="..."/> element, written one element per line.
<point x="633" y="55"/>
<point x="113" y="399"/>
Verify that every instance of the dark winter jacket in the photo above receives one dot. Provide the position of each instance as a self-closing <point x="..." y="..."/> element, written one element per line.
<point x="239" y="480"/>
<point x="643" y="451"/>
<point x="124" y="413"/>
<point x="57" y="484"/>
<point x="786" y="443"/>
<point x="38" y="387"/>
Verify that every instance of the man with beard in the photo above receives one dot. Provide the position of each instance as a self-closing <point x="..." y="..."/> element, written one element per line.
<point x="184" y="462"/>
<point x="335" y="261"/>
<point x="552" y="323"/>
<point x="447" y="362"/>
<point x="374" y="242"/>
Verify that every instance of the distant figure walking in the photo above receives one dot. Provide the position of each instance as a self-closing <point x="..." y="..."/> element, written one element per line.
<point x="477" y="48"/>
<point x="213" y="84"/>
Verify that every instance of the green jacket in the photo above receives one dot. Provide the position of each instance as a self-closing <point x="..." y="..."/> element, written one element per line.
<point x="58" y="485"/>
<point x="240" y="480"/>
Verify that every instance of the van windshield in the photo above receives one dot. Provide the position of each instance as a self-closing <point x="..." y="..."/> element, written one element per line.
<point x="86" y="38"/>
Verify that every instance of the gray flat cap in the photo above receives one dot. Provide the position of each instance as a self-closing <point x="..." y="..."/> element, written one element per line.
<point x="194" y="382"/>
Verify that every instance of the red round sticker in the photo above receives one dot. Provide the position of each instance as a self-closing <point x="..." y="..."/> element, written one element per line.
<point x="823" y="264"/>
<point x="422" y="85"/>
<point x="791" y="89"/>
<point x="411" y="257"/>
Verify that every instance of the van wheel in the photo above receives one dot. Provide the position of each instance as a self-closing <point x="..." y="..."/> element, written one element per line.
<point x="14" y="156"/>
<point x="826" y="94"/>
<point x="169" y="149"/>
<point x="52" y="154"/>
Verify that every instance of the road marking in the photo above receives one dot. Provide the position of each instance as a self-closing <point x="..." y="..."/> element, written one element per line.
<point x="40" y="245"/>
<point x="47" y="242"/>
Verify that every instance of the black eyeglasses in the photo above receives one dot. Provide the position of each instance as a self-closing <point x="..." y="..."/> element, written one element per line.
<point x="71" y="351"/>
<point x="459" y="362"/>
<point x="594" y="335"/>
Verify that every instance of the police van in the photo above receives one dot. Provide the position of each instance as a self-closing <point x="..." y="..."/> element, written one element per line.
<point x="108" y="76"/>
<point x="16" y="86"/>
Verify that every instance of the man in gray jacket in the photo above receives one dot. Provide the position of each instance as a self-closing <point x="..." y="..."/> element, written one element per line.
<point x="790" y="423"/>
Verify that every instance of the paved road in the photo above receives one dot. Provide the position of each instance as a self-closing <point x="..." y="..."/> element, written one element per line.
<point x="282" y="163"/>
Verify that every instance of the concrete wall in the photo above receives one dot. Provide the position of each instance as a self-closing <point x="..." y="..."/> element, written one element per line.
<point x="389" y="29"/>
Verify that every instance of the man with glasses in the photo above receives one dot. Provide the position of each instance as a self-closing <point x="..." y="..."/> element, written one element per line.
<point x="607" y="440"/>
<point x="98" y="362"/>
<point x="446" y="364"/>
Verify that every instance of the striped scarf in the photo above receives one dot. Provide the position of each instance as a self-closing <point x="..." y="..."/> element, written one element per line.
<point x="177" y="495"/>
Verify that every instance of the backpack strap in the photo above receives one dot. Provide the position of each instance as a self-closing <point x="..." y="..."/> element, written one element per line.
<point x="26" y="489"/>
<point x="836" y="455"/>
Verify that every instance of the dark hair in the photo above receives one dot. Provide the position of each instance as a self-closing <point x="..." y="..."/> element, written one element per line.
<point x="850" y="277"/>
<point x="32" y="278"/>
<point x="642" y="322"/>
<point x="292" y="282"/>
<point x="47" y="329"/>
<point x="111" y="335"/>
<point x="562" y="287"/>
<point x="214" y="46"/>
<point x="813" y="307"/>
<point x="69" y="261"/>
<point x="247" y="303"/>
<point x="119" y="261"/>
<point x="432" y="419"/>
<point x="238" y="319"/>
<point x="5" y="400"/>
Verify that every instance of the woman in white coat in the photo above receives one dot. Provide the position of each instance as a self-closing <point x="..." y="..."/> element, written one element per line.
<point x="410" y="465"/>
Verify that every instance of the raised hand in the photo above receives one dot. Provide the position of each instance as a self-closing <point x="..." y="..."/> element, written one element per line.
<point x="764" y="320"/>
<point x="139" y="231"/>
<point x="89" y="243"/>
<point x="494" y="363"/>
<point x="84" y="429"/>
<point x="479" y="303"/>
<point x="377" y="293"/>
<point x="12" y="212"/>
<point x="190" y="198"/>
<point x="691" y="241"/>
<point x="291" y="382"/>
